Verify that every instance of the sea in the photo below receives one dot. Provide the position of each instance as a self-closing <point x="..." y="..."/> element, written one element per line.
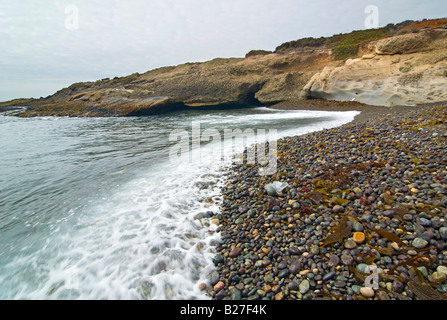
<point x="107" y="208"/>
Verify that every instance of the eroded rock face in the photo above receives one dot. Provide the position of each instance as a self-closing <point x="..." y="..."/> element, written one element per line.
<point x="256" y="80"/>
<point x="403" y="70"/>
<point x="406" y="69"/>
<point x="426" y="40"/>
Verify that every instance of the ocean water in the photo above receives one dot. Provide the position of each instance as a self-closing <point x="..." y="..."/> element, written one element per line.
<point x="104" y="208"/>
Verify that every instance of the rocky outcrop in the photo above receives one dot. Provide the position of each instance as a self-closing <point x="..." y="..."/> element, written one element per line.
<point x="256" y="80"/>
<point x="404" y="69"/>
<point x="409" y="69"/>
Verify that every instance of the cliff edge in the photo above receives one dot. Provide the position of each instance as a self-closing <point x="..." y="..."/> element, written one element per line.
<point x="404" y="64"/>
<point x="407" y="70"/>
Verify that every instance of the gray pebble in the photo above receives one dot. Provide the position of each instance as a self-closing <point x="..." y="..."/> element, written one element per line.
<point x="293" y="286"/>
<point x="283" y="273"/>
<point x="295" y="267"/>
<point x="397" y="286"/>
<point x="252" y="213"/>
<point x="214" y="278"/>
<point x="424" y="222"/>
<point x="271" y="191"/>
<point x="304" y="286"/>
<point x="328" y="276"/>
<point x="443" y="233"/>
<point x="362" y="268"/>
<point x="350" y="244"/>
<point x="357" y="226"/>
<point x="347" y="259"/>
<point x="235" y="294"/>
<point x="419" y="243"/>
<point x="340" y="283"/>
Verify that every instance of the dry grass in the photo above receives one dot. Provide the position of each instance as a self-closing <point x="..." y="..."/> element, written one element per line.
<point x="432" y="24"/>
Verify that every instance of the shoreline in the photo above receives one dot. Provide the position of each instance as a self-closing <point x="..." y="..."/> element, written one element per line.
<point x="385" y="170"/>
<point x="368" y="112"/>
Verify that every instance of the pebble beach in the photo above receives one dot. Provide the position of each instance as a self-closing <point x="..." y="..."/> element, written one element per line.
<point x="363" y="215"/>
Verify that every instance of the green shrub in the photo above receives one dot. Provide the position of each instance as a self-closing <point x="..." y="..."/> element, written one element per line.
<point x="257" y="53"/>
<point x="304" y="43"/>
<point x="347" y="45"/>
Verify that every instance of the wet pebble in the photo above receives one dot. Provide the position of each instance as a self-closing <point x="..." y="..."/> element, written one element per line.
<point x="367" y="292"/>
<point x="273" y="245"/>
<point x="419" y="243"/>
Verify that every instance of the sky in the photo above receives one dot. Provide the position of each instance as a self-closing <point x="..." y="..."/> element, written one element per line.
<point x="46" y="45"/>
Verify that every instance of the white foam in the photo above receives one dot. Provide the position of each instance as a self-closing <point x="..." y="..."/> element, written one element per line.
<point x="141" y="241"/>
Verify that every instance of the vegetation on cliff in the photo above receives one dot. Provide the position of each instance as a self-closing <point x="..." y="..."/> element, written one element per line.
<point x="347" y="45"/>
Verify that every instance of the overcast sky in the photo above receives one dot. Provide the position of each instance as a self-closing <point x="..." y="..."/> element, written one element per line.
<point x="46" y="45"/>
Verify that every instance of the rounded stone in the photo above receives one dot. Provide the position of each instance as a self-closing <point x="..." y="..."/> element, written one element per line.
<point x="283" y="273"/>
<point x="219" y="286"/>
<point x="334" y="260"/>
<point x="293" y="286"/>
<point x="425" y="222"/>
<point x="362" y="268"/>
<point x="347" y="259"/>
<point x="214" y="278"/>
<point x="357" y="226"/>
<point x="235" y="252"/>
<point x="271" y="191"/>
<point x="443" y="232"/>
<point x="358" y="237"/>
<point x="328" y="276"/>
<point x="357" y="190"/>
<point x="295" y="267"/>
<point x="252" y="213"/>
<point x="279" y="296"/>
<point x="350" y="244"/>
<point x="268" y="278"/>
<point x="304" y="286"/>
<point x="439" y="276"/>
<point x="442" y="269"/>
<point x="397" y="286"/>
<point x="239" y="221"/>
<point x="367" y="292"/>
<point x="315" y="249"/>
<point x="339" y="283"/>
<point x="419" y="243"/>
<point x="235" y="294"/>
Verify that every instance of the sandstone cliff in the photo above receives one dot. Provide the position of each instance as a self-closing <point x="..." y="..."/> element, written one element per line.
<point x="408" y="69"/>
<point x="388" y="66"/>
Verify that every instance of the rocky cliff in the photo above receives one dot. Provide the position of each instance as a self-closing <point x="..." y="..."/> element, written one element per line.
<point x="408" y="69"/>
<point x="388" y="66"/>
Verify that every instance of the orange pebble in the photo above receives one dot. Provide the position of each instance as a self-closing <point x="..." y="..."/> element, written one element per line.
<point x="265" y="250"/>
<point x="359" y="237"/>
